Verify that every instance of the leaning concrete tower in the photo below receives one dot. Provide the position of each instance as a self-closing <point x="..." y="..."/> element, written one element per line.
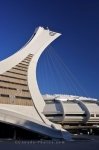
<point x="21" y="103"/>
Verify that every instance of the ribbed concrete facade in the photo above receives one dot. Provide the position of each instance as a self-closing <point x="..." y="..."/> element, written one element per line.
<point x="13" y="85"/>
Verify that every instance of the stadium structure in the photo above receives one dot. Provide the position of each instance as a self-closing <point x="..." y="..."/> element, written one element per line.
<point x="24" y="112"/>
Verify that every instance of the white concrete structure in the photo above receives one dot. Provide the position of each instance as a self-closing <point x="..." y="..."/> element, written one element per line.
<point x="72" y="110"/>
<point x="19" y="88"/>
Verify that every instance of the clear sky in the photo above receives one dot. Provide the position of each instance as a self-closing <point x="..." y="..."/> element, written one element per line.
<point x="77" y="49"/>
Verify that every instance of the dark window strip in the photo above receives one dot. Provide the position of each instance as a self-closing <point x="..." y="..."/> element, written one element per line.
<point x="17" y="73"/>
<point x="92" y="115"/>
<point x="69" y="102"/>
<point x="21" y="97"/>
<point x="13" y="83"/>
<point x="24" y="64"/>
<point x="21" y="66"/>
<point x="97" y="115"/>
<point x="25" y="90"/>
<point x="19" y="69"/>
<point x="27" y="62"/>
<point x="28" y="59"/>
<point x="88" y="101"/>
<point x="53" y="115"/>
<point x="13" y="77"/>
<point x="52" y="102"/>
<point x="31" y="55"/>
<point x="75" y="115"/>
<point x="3" y="87"/>
<point x="4" y="95"/>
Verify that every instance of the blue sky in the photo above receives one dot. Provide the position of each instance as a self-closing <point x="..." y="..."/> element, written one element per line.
<point x="77" y="48"/>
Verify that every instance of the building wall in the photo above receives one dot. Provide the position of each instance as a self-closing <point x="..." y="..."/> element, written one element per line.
<point x="13" y="85"/>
